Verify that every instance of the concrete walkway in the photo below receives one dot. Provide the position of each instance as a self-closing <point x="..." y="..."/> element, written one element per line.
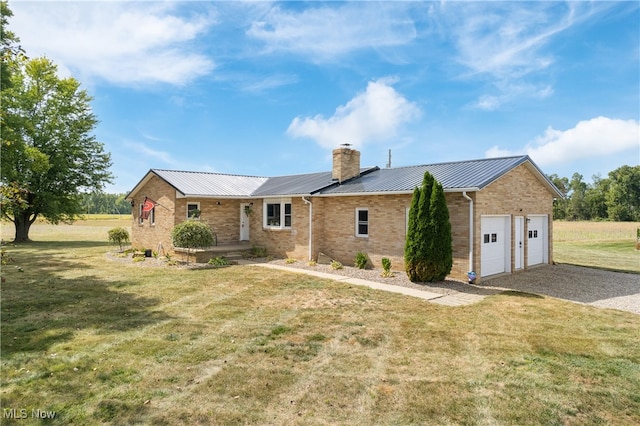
<point x="457" y="299"/>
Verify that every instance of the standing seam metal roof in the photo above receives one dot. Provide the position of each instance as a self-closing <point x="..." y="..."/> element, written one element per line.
<point x="305" y="184"/>
<point x="460" y="175"/>
<point x="211" y="184"/>
<point x="454" y="175"/>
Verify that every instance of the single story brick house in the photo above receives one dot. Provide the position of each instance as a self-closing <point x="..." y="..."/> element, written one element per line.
<point x="500" y="211"/>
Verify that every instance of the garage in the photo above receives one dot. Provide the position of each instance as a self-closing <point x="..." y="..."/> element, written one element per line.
<point x="495" y="245"/>
<point x="536" y="239"/>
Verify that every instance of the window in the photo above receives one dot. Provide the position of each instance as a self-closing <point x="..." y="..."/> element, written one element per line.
<point x="362" y="223"/>
<point x="277" y="214"/>
<point x="193" y="210"/>
<point x="533" y="234"/>
<point x="490" y="238"/>
<point x="151" y="218"/>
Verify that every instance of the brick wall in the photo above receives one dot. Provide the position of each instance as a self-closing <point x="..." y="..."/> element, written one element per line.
<point x="291" y="242"/>
<point x="147" y="235"/>
<point x="336" y="229"/>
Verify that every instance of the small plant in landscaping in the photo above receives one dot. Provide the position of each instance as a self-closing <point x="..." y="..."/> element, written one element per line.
<point x="386" y="267"/>
<point x="138" y="258"/>
<point x="361" y="260"/>
<point x="336" y="265"/>
<point x="258" y="251"/>
<point x="119" y="236"/>
<point x="312" y="263"/>
<point x="218" y="261"/>
<point x="290" y="260"/>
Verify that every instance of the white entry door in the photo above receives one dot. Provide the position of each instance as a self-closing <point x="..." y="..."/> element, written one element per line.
<point x="537" y="233"/>
<point x="495" y="245"/>
<point x="245" y="215"/>
<point x="519" y="249"/>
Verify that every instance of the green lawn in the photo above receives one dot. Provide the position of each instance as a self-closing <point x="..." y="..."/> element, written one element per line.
<point x="604" y="245"/>
<point x="97" y="341"/>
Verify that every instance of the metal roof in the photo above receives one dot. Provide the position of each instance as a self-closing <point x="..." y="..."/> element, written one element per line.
<point x="304" y="184"/>
<point x="200" y="184"/>
<point x="470" y="175"/>
<point x="459" y="175"/>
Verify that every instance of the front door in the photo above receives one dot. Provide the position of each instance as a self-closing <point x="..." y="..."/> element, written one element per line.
<point x="245" y="215"/>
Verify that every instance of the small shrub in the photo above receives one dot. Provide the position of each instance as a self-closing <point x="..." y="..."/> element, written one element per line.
<point x="191" y="234"/>
<point x="386" y="267"/>
<point x="290" y="260"/>
<point x="138" y="258"/>
<point x="119" y="236"/>
<point x="6" y="259"/>
<point x="336" y="265"/>
<point x="312" y="263"/>
<point x="361" y="260"/>
<point x="218" y="261"/>
<point x="258" y="251"/>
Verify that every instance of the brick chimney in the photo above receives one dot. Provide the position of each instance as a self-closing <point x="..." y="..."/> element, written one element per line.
<point x="346" y="163"/>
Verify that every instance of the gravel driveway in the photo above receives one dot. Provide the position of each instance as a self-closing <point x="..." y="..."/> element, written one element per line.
<point x="594" y="287"/>
<point x="604" y="289"/>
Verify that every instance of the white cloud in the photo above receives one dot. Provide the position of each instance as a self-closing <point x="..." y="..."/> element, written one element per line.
<point x="150" y="153"/>
<point x="595" y="138"/>
<point x="506" y="43"/>
<point x="326" y="32"/>
<point x="373" y="115"/>
<point x="123" y="43"/>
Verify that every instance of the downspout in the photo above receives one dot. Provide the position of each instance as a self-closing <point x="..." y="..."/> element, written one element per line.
<point x="310" y="224"/>
<point x="464" y="194"/>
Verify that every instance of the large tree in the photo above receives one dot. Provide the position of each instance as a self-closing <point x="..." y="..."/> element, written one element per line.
<point x="623" y="197"/>
<point x="49" y="154"/>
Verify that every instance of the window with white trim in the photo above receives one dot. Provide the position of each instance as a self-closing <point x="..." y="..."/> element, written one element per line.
<point x="193" y="210"/>
<point x="362" y="222"/>
<point x="277" y="213"/>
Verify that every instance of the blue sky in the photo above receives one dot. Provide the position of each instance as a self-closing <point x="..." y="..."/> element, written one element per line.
<point x="270" y="88"/>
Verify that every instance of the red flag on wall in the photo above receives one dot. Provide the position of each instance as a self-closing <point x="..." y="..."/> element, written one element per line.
<point x="148" y="205"/>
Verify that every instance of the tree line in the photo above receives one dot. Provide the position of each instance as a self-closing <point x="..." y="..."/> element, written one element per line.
<point x="616" y="197"/>
<point x="104" y="203"/>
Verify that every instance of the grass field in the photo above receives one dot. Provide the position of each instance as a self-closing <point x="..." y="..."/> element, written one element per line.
<point x="605" y="245"/>
<point x="98" y="341"/>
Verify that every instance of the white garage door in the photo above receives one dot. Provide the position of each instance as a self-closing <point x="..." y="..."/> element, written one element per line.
<point x="495" y="245"/>
<point x="536" y="240"/>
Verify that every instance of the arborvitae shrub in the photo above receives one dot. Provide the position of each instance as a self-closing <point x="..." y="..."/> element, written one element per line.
<point x="428" y="250"/>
